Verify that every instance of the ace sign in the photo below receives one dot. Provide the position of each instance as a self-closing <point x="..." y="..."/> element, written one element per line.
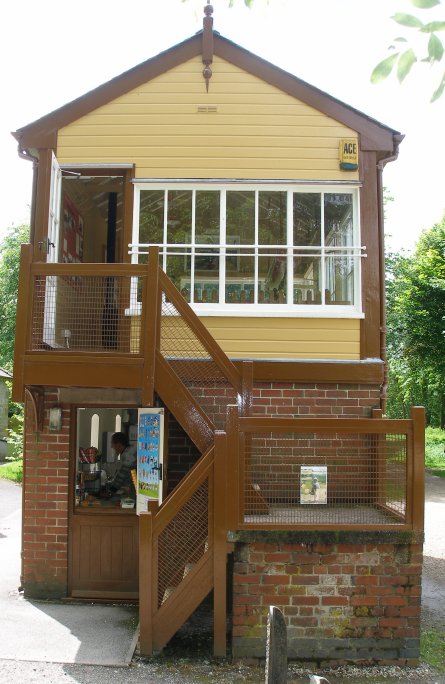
<point x="348" y="153"/>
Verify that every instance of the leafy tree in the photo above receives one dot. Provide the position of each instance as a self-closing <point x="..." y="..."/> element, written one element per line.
<point x="406" y="58"/>
<point x="9" y="279"/>
<point x="415" y="320"/>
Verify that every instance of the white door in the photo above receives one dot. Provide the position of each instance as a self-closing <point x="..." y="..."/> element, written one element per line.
<point x="52" y="247"/>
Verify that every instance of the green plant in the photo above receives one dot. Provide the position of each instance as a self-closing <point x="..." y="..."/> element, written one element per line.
<point x="12" y="471"/>
<point x="434" y="448"/>
<point x="15" y="437"/>
<point x="432" y="648"/>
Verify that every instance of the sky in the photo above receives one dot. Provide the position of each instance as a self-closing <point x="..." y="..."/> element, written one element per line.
<point x="53" y="51"/>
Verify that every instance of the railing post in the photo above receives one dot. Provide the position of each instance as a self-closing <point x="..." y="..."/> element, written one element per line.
<point x="418" y="467"/>
<point x="23" y="318"/>
<point x="220" y="498"/>
<point x="150" y="325"/>
<point x="246" y="388"/>
<point x="145" y="583"/>
<point x="233" y="467"/>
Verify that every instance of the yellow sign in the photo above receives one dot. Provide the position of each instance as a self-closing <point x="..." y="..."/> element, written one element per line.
<point x="348" y="154"/>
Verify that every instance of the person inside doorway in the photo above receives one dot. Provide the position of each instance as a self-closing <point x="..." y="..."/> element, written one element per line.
<point x="122" y="481"/>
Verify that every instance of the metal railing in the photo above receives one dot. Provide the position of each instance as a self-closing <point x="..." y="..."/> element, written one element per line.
<point x="326" y="473"/>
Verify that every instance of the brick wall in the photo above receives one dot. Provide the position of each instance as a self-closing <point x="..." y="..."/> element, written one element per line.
<point x="182" y="453"/>
<point x="342" y="602"/>
<point x="45" y="516"/>
<point x="315" y="399"/>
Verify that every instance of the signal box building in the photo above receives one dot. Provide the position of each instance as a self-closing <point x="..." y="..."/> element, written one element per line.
<point x="207" y="248"/>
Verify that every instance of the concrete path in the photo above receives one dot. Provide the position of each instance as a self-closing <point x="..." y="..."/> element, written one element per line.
<point x="50" y="631"/>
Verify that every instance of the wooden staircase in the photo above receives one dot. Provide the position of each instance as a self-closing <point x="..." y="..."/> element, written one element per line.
<point x="183" y="547"/>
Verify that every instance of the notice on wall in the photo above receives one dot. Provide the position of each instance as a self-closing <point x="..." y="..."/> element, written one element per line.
<point x="313" y="484"/>
<point x="150" y="445"/>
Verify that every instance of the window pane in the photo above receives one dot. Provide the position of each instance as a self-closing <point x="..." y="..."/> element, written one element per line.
<point x="240" y="211"/>
<point x="272" y="285"/>
<point x="207" y="217"/>
<point x="307" y="218"/>
<point x="179" y="216"/>
<point x="307" y="280"/>
<point x="151" y="219"/>
<point x="339" y="280"/>
<point x="338" y="226"/>
<point x="272" y="210"/>
<point x="178" y="270"/>
<point x="240" y="279"/>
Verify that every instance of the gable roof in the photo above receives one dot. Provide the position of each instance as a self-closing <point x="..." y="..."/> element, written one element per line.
<point x="43" y="132"/>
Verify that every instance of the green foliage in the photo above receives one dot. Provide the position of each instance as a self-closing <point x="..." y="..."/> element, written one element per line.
<point x="12" y="471"/>
<point x="15" y="437"/>
<point x="415" y="322"/>
<point x="434" y="448"/>
<point x="9" y="278"/>
<point x="432" y="648"/>
<point x="405" y="60"/>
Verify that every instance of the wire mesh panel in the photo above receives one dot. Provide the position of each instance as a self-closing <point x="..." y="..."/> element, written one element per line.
<point x="183" y="541"/>
<point x="84" y="313"/>
<point x="315" y="478"/>
<point x="194" y="365"/>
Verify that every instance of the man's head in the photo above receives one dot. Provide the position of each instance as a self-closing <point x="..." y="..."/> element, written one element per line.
<point x="119" y="442"/>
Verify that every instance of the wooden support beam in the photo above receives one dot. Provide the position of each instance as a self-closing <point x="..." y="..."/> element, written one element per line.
<point x="145" y="583"/>
<point x="220" y="498"/>
<point x="150" y="322"/>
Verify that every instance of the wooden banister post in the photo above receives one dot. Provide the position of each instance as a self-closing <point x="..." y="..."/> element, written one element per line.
<point x="220" y="498"/>
<point x="145" y="583"/>
<point x="233" y="483"/>
<point x="246" y="388"/>
<point x="418" y="467"/>
<point x="150" y="325"/>
<point x="23" y="321"/>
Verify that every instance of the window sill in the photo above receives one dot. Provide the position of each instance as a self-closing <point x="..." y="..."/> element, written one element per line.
<point x="267" y="311"/>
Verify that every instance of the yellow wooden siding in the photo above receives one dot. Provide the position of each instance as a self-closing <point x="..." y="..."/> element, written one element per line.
<point x="273" y="338"/>
<point x="257" y="132"/>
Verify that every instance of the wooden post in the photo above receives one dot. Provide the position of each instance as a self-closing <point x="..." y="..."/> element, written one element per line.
<point x="220" y="497"/>
<point x="145" y="583"/>
<point x="233" y="484"/>
<point x="150" y="324"/>
<point x="23" y="318"/>
<point x="246" y="388"/>
<point x="418" y="467"/>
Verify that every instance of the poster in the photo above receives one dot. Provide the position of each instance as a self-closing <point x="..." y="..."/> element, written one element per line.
<point x="72" y="239"/>
<point x="313" y="484"/>
<point x="150" y="444"/>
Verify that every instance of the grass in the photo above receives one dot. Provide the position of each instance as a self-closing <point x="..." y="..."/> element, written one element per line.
<point x="434" y="450"/>
<point x="12" y="470"/>
<point x="432" y="648"/>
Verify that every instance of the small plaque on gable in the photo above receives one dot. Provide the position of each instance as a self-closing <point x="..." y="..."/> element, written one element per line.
<point x="348" y="154"/>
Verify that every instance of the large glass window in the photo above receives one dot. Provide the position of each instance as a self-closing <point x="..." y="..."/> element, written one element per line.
<point x="243" y="247"/>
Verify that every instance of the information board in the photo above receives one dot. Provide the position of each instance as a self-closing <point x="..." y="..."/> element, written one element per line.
<point x="150" y="446"/>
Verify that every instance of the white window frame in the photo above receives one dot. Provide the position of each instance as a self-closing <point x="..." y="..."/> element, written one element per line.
<point x="356" y="251"/>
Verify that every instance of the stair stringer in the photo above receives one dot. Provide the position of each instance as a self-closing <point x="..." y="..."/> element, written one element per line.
<point x="183" y="601"/>
<point x="183" y="405"/>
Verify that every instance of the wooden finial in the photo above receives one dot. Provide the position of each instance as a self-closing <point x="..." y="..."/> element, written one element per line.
<point x="207" y="43"/>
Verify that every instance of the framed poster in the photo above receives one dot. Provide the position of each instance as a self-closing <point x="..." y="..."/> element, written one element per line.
<point x="313" y="484"/>
<point x="150" y="446"/>
<point x="72" y="235"/>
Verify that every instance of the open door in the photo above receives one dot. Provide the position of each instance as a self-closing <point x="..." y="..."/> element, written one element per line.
<point x="150" y="459"/>
<point x="52" y="247"/>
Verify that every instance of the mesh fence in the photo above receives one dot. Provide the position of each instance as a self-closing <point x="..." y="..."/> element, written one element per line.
<point x="183" y="542"/>
<point x="84" y="313"/>
<point x="341" y="478"/>
<point x="194" y="365"/>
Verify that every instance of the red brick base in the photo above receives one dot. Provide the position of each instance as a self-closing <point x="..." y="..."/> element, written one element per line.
<point x="342" y="602"/>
